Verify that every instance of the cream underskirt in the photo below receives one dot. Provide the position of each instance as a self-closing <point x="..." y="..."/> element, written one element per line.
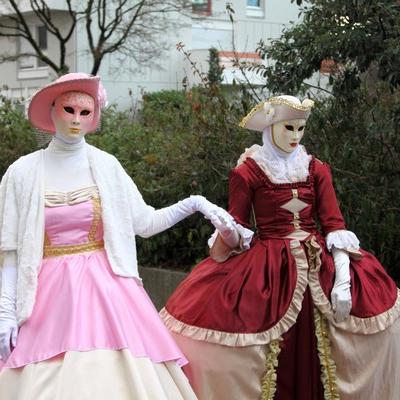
<point x="96" y="375"/>
<point x="218" y="372"/>
<point x="367" y="366"/>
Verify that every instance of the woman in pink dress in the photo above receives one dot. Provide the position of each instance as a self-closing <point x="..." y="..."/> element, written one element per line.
<point x="304" y="314"/>
<point x="75" y="321"/>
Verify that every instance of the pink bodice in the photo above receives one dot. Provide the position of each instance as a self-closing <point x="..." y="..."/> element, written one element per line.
<point x="83" y="224"/>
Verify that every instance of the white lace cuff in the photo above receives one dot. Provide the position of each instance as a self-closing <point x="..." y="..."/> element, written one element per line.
<point x="342" y="239"/>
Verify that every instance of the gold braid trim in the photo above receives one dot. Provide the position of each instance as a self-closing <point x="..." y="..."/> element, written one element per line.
<point x="47" y="242"/>
<point x="286" y="102"/>
<point x="268" y="382"/>
<point x="68" y="249"/>
<point x="277" y="101"/>
<point x="328" y="367"/>
<point x="253" y="111"/>
<point x="96" y="219"/>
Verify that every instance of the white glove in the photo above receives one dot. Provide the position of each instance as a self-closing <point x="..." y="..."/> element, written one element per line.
<point x="340" y="295"/>
<point x="226" y="228"/>
<point x="220" y="218"/>
<point x="8" y="320"/>
<point x="163" y="218"/>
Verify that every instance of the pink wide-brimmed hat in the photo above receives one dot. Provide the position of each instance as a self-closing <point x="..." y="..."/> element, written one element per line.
<point x="39" y="111"/>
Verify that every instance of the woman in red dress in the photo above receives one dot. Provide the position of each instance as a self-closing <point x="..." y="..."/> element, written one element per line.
<point x="304" y="314"/>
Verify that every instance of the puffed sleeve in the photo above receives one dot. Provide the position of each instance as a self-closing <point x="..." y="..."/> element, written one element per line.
<point x="240" y="197"/>
<point x="329" y="214"/>
<point x="328" y="210"/>
<point x="240" y="207"/>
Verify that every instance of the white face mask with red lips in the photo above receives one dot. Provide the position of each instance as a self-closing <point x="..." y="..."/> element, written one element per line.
<point x="286" y="135"/>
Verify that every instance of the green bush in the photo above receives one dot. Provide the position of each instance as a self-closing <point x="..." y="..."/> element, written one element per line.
<point x="360" y="139"/>
<point x="16" y="135"/>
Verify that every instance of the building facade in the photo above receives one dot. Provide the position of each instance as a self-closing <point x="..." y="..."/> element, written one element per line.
<point x="209" y="25"/>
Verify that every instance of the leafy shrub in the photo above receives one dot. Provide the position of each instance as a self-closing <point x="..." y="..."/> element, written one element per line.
<point x="360" y="139"/>
<point x="16" y="136"/>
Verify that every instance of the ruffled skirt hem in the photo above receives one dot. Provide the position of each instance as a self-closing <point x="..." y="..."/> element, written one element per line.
<point x="98" y="374"/>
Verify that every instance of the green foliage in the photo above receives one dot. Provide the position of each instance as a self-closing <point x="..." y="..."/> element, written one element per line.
<point x="16" y="136"/>
<point x="356" y="126"/>
<point x="355" y="35"/>
<point x="214" y="70"/>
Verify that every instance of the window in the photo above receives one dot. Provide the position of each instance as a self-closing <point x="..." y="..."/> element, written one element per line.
<point x="41" y="33"/>
<point x="201" y="6"/>
<point x="253" y="3"/>
<point x="255" y="8"/>
<point x="32" y="62"/>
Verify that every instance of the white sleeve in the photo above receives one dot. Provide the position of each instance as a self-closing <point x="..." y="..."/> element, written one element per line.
<point x="342" y="239"/>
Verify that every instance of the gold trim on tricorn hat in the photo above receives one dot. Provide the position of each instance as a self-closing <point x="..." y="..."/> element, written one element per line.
<point x="276" y="109"/>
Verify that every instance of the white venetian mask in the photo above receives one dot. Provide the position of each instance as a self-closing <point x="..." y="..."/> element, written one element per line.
<point x="286" y="135"/>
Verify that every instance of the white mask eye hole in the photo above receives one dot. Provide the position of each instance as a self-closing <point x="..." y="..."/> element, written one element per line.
<point x="301" y="128"/>
<point x="69" y="110"/>
<point x="289" y="127"/>
<point x="85" y="112"/>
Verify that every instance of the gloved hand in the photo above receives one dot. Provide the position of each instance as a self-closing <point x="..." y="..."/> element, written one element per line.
<point x="220" y="218"/>
<point x="340" y="295"/>
<point x="226" y="228"/>
<point x="8" y="320"/>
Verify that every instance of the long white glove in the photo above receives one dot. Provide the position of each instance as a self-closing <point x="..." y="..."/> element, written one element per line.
<point x="340" y="295"/>
<point x="8" y="320"/>
<point x="162" y="219"/>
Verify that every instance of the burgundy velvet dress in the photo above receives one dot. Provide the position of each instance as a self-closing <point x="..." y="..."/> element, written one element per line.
<point x="277" y="294"/>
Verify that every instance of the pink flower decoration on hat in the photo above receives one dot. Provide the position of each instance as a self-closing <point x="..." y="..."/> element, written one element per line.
<point x="102" y="96"/>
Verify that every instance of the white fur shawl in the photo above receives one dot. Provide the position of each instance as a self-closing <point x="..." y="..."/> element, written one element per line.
<point x="124" y="214"/>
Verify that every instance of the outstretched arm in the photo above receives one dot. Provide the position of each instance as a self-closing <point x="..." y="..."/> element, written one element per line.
<point x="148" y="221"/>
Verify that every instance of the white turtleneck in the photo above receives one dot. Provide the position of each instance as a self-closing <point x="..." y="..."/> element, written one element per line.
<point x="66" y="166"/>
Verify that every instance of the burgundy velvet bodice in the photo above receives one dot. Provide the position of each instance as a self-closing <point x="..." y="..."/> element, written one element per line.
<point x="280" y="209"/>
